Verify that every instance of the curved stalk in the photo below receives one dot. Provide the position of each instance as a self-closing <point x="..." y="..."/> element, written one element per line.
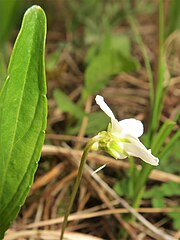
<point x="77" y="182"/>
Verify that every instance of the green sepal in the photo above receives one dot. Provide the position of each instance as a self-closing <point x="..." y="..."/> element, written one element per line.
<point x="116" y="147"/>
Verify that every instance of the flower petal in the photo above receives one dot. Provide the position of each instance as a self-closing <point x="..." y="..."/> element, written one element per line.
<point x="121" y="156"/>
<point x="132" y="127"/>
<point x="116" y="129"/>
<point x="100" y="101"/>
<point x="137" y="149"/>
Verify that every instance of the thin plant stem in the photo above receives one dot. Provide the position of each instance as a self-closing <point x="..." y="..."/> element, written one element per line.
<point x="139" y="189"/>
<point x="133" y="24"/>
<point x="169" y="145"/>
<point x="132" y="171"/>
<point x="146" y="169"/>
<point x="161" y="70"/>
<point x="77" y="182"/>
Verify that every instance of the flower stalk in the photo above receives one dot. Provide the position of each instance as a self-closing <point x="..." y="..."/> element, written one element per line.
<point x="77" y="182"/>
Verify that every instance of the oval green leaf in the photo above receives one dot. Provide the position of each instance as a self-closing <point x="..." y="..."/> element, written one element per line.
<point x="23" y="113"/>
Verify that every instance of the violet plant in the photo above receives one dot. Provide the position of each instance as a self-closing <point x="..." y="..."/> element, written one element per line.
<point x="120" y="141"/>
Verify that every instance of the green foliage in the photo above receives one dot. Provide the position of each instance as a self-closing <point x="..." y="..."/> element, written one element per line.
<point x="176" y="219"/>
<point x="2" y="70"/>
<point x="123" y="188"/>
<point x="170" y="144"/>
<point x="66" y="105"/>
<point x="155" y="140"/>
<point x="158" y="195"/>
<point x="8" y="16"/>
<point x="52" y="59"/>
<point x="97" y="122"/>
<point x="170" y="160"/>
<point x="89" y="13"/>
<point x="23" y="110"/>
<point x="158" y="202"/>
<point x="87" y="9"/>
<point x="108" y="55"/>
<point x="159" y="92"/>
<point x="113" y="57"/>
<point x="174" y="16"/>
<point x="163" y="133"/>
<point x="159" y="148"/>
<point x="168" y="189"/>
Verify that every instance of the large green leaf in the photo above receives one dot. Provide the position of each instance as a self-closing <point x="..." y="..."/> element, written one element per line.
<point x="23" y="111"/>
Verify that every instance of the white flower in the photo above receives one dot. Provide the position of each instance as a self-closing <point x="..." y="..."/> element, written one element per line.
<point x="125" y="136"/>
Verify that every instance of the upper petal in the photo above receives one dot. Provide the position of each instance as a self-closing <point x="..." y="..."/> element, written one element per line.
<point x="136" y="149"/>
<point x="100" y="101"/>
<point x="132" y="127"/>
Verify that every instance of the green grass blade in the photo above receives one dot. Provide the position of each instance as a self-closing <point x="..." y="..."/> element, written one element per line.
<point x="23" y="112"/>
<point x="158" y="104"/>
<point x="134" y="26"/>
<point x="169" y="145"/>
<point x="161" y="136"/>
<point x="174" y="16"/>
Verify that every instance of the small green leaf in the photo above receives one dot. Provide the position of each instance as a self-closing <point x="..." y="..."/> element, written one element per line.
<point x="97" y="122"/>
<point x="23" y="112"/>
<point x="123" y="188"/>
<point x="176" y="219"/>
<point x="158" y="202"/>
<point x="154" y="191"/>
<point x="113" y="58"/>
<point x="66" y="105"/>
<point x="168" y="189"/>
<point x="53" y="59"/>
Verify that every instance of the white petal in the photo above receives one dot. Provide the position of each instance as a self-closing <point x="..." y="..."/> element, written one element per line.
<point x="137" y="149"/>
<point x="100" y="101"/>
<point x="121" y="156"/>
<point x="132" y="127"/>
<point x="116" y="128"/>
